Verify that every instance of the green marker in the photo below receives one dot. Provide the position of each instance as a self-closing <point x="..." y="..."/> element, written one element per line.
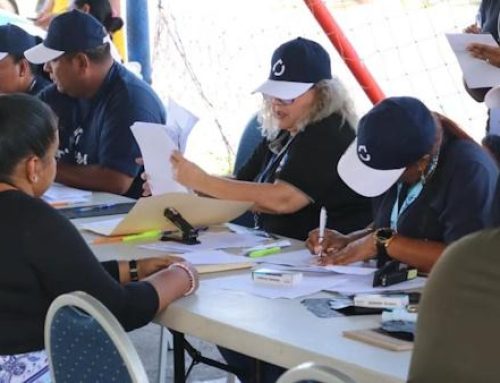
<point x="264" y="252"/>
<point x="151" y="234"/>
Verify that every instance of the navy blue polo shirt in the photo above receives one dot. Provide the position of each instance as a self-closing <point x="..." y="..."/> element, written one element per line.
<point x="489" y="11"/>
<point x="456" y="200"/>
<point x="97" y="131"/>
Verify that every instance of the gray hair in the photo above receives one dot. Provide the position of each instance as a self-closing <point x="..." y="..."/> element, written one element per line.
<point x="331" y="96"/>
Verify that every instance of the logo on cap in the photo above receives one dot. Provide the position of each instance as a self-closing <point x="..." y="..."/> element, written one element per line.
<point x="363" y="153"/>
<point x="278" y="68"/>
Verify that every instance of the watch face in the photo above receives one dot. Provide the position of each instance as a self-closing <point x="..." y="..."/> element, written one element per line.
<point x="384" y="234"/>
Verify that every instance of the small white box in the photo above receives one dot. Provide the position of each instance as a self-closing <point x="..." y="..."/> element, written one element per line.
<point x="381" y="301"/>
<point x="276" y="277"/>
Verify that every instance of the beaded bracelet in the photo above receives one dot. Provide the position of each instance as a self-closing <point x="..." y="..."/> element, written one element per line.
<point x="192" y="286"/>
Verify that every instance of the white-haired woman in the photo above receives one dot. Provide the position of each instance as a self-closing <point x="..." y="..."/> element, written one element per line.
<point x="307" y="123"/>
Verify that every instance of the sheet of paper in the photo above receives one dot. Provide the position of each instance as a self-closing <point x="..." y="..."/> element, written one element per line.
<point x="355" y="284"/>
<point x="180" y="122"/>
<point x="309" y="285"/>
<point x="213" y="257"/>
<point x="477" y="73"/>
<point x="348" y="270"/>
<point x="104" y="227"/>
<point x="61" y="194"/>
<point x="302" y="260"/>
<point x="351" y="270"/>
<point x="290" y="258"/>
<point x="156" y="148"/>
<point x="147" y="214"/>
<point x="209" y="241"/>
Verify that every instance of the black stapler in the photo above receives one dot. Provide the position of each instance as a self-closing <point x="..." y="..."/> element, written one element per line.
<point x="189" y="235"/>
<point x="393" y="272"/>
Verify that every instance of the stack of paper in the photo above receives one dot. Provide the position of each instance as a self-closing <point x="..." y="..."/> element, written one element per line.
<point x="214" y="257"/>
<point x="60" y="195"/>
<point x="208" y="241"/>
<point x="156" y="148"/>
<point x="309" y="285"/>
<point x="157" y="142"/>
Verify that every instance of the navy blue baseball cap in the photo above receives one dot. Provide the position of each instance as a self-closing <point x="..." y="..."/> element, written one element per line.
<point x="295" y="67"/>
<point x="14" y="40"/>
<point x="70" y="32"/>
<point x="391" y="136"/>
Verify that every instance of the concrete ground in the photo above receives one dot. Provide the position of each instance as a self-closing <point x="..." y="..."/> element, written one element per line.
<point x="147" y="342"/>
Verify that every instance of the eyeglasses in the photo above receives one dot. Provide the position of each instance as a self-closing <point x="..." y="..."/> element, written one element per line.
<point x="279" y="100"/>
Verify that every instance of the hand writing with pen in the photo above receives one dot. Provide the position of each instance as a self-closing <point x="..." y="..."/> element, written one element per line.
<point x="339" y="249"/>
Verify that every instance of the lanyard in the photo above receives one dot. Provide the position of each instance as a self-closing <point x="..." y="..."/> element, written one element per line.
<point x="280" y="158"/>
<point x="413" y="193"/>
<point x="275" y="158"/>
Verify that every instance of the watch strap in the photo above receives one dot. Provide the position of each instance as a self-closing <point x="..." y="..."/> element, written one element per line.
<point x="134" y="273"/>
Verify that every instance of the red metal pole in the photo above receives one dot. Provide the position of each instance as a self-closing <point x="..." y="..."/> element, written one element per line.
<point x="345" y="50"/>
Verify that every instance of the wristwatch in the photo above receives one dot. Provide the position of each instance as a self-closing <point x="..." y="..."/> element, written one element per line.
<point x="383" y="238"/>
<point x="134" y="274"/>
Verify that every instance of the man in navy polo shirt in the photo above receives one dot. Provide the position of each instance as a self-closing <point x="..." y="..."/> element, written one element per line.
<point x="17" y="75"/>
<point x="96" y="100"/>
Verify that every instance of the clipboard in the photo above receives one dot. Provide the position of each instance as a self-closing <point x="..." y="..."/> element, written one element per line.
<point x="147" y="214"/>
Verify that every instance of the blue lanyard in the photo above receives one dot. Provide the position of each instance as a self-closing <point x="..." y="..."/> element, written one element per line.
<point x="413" y="193"/>
<point x="276" y="158"/>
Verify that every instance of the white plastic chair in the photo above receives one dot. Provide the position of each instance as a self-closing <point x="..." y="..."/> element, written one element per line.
<point x="311" y="371"/>
<point x="86" y="343"/>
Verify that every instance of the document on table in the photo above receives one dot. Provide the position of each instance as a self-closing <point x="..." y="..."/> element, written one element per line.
<point x="309" y="285"/>
<point x="156" y="148"/>
<point x="477" y="73"/>
<point x="209" y="241"/>
<point x="147" y="214"/>
<point x="180" y="122"/>
<point x="213" y="257"/>
<point x="355" y="284"/>
<point x="302" y="260"/>
<point x="62" y="194"/>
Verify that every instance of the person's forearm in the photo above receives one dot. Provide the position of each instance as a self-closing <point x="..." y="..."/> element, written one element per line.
<point x="419" y="253"/>
<point x="170" y="284"/>
<point x="360" y="233"/>
<point x="93" y="177"/>
<point x="277" y="198"/>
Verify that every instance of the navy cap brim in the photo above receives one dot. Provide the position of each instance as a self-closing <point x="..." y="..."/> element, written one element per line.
<point x="364" y="180"/>
<point x="285" y="90"/>
<point x="40" y="54"/>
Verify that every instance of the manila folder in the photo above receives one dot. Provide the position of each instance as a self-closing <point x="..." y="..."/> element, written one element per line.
<point x="147" y="213"/>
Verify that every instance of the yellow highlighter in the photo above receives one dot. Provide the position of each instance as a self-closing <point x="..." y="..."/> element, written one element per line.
<point x="151" y="234"/>
<point x="264" y="252"/>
